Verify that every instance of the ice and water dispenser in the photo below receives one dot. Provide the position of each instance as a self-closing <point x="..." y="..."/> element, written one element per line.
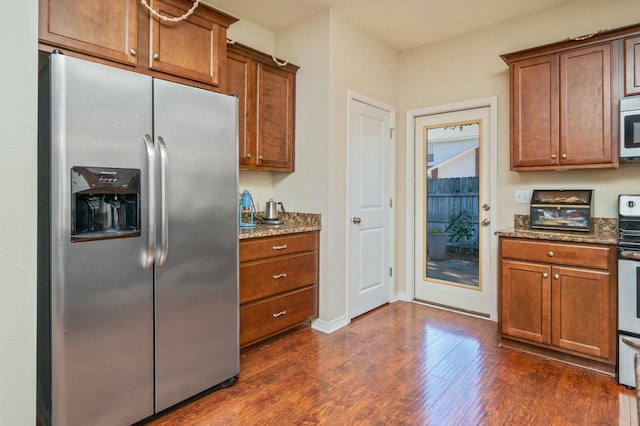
<point x="105" y="203"/>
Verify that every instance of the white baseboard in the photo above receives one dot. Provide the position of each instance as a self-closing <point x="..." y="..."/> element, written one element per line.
<point x="329" y="327"/>
<point x="403" y="297"/>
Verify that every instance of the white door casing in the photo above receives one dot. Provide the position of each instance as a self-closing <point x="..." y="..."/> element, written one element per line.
<point x="370" y="192"/>
<point x="488" y="256"/>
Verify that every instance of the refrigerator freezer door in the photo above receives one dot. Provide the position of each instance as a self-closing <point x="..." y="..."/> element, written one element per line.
<point x="101" y="297"/>
<point x="197" y="285"/>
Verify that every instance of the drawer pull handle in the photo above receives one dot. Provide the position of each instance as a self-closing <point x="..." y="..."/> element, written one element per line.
<point x="550" y="254"/>
<point x="279" y="314"/>
<point x="282" y="247"/>
<point x="277" y="277"/>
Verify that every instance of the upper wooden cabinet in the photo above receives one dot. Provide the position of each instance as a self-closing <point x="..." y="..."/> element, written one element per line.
<point x="563" y="106"/>
<point x="106" y="29"/>
<point x="632" y="66"/>
<point x="123" y="33"/>
<point x="565" y="99"/>
<point x="266" y="93"/>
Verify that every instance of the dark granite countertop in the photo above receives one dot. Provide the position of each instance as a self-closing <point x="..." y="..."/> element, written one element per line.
<point x="604" y="231"/>
<point x="292" y="223"/>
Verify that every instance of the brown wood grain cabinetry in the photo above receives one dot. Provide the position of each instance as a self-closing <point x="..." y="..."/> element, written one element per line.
<point x="562" y="108"/>
<point x="632" y="66"/>
<point x="278" y="285"/>
<point x="560" y="296"/>
<point x="266" y="92"/>
<point x="106" y="29"/>
<point x="124" y="34"/>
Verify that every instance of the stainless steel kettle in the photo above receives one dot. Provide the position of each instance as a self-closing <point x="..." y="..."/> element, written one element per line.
<point x="271" y="210"/>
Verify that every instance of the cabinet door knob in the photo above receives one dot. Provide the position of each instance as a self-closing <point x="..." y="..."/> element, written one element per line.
<point x="545" y="275"/>
<point x="248" y="155"/>
<point x="556" y="276"/>
<point x="260" y="157"/>
<point x="156" y="56"/>
<point x="133" y="52"/>
<point x="554" y="156"/>
<point x="564" y="155"/>
<point x="356" y="220"/>
<point x="550" y="253"/>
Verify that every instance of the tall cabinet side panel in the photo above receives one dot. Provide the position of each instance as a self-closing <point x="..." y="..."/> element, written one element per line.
<point x="101" y="297"/>
<point x="43" y="375"/>
<point x="197" y="286"/>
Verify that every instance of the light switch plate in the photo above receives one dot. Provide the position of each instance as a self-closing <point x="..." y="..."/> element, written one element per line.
<point x="523" y="197"/>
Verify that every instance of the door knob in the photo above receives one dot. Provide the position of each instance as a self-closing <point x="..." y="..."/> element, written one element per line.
<point x="486" y="222"/>
<point x="356" y="220"/>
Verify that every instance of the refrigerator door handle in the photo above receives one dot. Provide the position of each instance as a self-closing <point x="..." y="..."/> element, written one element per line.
<point x="151" y="172"/>
<point x="164" y="222"/>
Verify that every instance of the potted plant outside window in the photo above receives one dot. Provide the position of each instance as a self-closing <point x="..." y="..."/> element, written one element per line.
<point x="436" y="243"/>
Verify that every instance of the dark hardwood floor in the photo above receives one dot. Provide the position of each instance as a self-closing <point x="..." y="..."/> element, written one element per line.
<point x="408" y="364"/>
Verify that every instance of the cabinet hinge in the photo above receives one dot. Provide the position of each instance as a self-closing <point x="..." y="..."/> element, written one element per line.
<point x="391" y="130"/>
<point x="390" y="272"/>
<point x="391" y="202"/>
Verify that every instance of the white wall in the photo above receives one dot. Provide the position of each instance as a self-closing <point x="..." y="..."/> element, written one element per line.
<point x="335" y="56"/>
<point x="439" y="74"/>
<point x="367" y="66"/>
<point x="307" y="44"/>
<point x="18" y="177"/>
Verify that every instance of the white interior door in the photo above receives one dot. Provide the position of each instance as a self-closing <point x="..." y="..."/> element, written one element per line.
<point x="370" y="204"/>
<point x="452" y="194"/>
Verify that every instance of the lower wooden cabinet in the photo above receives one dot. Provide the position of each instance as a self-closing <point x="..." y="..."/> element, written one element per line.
<point x="560" y="296"/>
<point x="278" y="284"/>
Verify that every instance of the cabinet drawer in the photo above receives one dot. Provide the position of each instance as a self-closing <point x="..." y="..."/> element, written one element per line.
<point x="269" y="277"/>
<point x="277" y="314"/>
<point x="252" y="249"/>
<point x="565" y="254"/>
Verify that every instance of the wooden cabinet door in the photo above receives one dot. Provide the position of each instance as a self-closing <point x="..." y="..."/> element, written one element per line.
<point x="241" y="72"/>
<point x="275" y="121"/>
<point x="586" y="106"/>
<point x="534" y="112"/>
<point x="581" y="307"/>
<point x="106" y="29"/>
<point x="526" y="301"/>
<point x="188" y="48"/>
<point x="632" y="66"/>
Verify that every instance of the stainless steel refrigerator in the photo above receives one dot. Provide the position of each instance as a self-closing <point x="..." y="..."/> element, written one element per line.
<point x="138" y="243"/>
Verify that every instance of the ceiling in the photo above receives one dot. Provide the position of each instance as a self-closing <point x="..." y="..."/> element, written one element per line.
<point x="402" y="24"/>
